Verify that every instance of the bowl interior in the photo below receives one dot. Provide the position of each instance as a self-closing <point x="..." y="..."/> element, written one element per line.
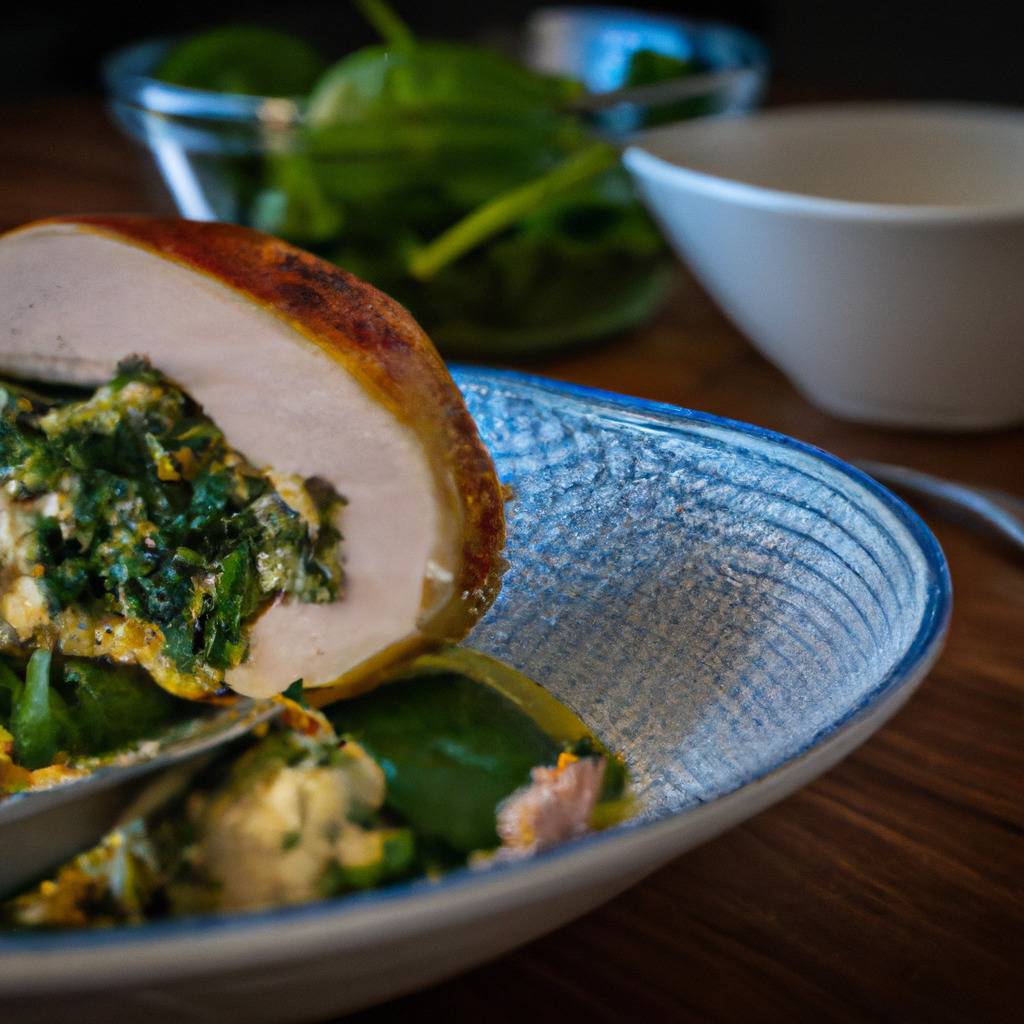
<point x="710" y="600"/>
<point x="916" y="154"/>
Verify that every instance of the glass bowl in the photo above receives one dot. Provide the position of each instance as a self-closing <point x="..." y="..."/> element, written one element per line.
<point x="223" y="157"/>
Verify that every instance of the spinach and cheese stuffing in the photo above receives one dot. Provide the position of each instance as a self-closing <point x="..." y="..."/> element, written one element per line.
<point x="440" y="768"/>
<point x="293" y="819"/>
<point x="133" y="533"/>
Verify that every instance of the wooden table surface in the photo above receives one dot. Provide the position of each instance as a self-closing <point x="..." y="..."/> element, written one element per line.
<point x="890" y="889"/>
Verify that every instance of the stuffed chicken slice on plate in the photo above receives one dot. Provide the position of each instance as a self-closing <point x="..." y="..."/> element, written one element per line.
<point x="228" y="468"/>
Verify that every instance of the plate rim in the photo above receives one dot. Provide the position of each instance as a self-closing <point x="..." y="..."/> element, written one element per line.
<point x="156" y="951"/>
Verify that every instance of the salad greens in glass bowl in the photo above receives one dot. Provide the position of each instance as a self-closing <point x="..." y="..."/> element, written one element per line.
<point x="484" y="195"/>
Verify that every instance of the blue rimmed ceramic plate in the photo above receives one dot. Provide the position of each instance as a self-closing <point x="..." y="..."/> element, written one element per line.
<point x="733" y="610"/>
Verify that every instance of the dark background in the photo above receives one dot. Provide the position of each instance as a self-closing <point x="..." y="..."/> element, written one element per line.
<point x="872" y="48"/>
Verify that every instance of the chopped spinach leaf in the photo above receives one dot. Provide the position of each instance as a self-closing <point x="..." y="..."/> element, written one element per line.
<point x="295" y="693"/>
<point x="143" y="510"/>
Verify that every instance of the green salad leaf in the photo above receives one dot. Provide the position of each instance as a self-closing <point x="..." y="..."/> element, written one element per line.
<point x="33" y="721"/>
<point x="451" y="749"/>
<point x="112" y="706"/>
<point x="648" y="67"/>
<point x="464" y="184"/>
<point x="244" y="59"/>
<point x="80" y="708"/>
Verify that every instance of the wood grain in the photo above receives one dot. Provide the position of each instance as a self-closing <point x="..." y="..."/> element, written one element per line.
<point x="889" y="890"/>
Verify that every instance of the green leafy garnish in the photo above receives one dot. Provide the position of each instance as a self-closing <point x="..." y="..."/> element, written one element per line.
<point x="113" y="706"/>
<point x="244" y="59"/>
<point x="295" y="692"/>
<point x="80" y="709"/>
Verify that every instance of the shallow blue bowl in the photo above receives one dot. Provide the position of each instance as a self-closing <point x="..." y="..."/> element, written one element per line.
<point x="732" y="609"/>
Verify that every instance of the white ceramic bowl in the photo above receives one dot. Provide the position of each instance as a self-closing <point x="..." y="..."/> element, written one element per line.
<point x="874" y="253"/>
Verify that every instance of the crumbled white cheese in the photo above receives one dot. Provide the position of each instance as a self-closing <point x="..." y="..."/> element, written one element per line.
<point x="22" y="602"/>
<point x="16" y="521"/>
<point x="23" y="605"/>
<point x="272" y="843"/>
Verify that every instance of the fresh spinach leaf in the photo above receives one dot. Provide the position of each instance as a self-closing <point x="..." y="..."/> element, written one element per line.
<point x="113" y="706"/>
<point x="33" y="722"/>
<point x="245" y="59"/>
<point x="451" y="749"/>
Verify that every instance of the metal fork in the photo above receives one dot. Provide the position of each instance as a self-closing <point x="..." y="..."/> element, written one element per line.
<point x="994" y="512"/>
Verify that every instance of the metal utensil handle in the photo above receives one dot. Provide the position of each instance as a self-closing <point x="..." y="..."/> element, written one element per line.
<point x="658" y="93"/>
<point x="992" y="510"/>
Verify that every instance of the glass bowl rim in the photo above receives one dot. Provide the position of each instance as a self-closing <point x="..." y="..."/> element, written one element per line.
<point x="126" y="73"/>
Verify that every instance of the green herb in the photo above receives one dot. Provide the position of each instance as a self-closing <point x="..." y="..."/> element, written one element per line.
<point x="296" y="693"/>
<point x="86" y="709"/>
<point x="243" y="59"/>
<point x="168" y="525"/>
<point x="10" y="688"/>
<point x="113" y="706"/>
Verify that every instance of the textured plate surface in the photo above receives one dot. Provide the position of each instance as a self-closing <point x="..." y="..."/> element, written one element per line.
<point x="711" y="600"/>
<point x="733" y="610"/>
